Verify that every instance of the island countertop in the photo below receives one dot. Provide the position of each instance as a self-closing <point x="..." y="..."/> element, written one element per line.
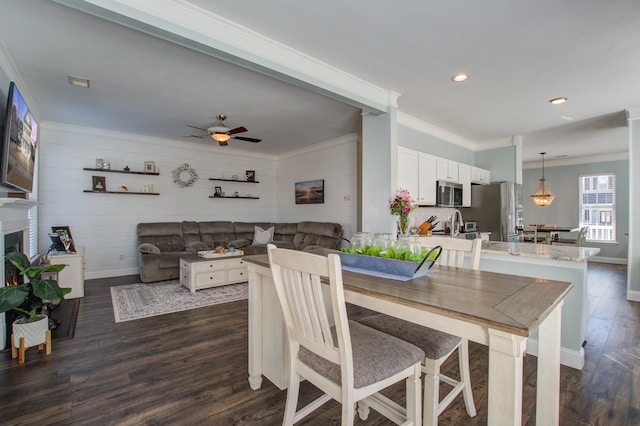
<point x="540" y="251"/>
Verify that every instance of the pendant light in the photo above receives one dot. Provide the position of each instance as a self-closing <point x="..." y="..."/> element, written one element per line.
<point x="543" y="197"/>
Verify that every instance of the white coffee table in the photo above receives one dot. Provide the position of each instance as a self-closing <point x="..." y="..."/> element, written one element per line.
<point x="197" y="272"/>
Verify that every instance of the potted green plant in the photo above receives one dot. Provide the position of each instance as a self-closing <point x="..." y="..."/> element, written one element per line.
<point x="27" y="300"/>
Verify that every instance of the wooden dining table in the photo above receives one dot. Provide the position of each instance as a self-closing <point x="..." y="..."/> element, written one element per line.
<point x="497" y="310"/>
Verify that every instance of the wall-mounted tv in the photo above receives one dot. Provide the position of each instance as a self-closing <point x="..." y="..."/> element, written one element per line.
<point x="18" y="150"/>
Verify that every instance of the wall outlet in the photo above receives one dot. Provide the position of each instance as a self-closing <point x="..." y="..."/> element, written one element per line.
<point x="121" y="257"/>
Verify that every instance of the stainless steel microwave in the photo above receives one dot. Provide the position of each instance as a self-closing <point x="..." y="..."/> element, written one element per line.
<point x="449" y="194"/>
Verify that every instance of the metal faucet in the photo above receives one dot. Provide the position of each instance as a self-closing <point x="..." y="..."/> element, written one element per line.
<point x="455" y="224"/>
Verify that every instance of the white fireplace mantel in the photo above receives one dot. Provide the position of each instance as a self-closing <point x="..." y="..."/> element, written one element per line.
<point x="14" y="217"/>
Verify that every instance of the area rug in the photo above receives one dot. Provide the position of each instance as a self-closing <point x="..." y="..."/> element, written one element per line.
<point x="136" y="301"/>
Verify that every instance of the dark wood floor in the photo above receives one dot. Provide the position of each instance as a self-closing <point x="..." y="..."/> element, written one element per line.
<point x="190" y="368"/>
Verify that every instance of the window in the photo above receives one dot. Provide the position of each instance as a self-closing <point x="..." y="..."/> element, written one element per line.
<point x="598" y="206"/>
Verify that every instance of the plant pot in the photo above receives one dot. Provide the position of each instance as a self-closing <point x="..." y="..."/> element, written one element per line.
<point x="34" y="332"/>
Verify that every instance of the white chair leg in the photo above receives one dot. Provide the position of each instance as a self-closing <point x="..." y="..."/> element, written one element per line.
<point x="465" y="376"/>
<point x="431" y="392"/>
<point x="363" y="410"/>
<point x="348" y="413"/>
<point x="413" y="394"/>
<point x="292" y="399"/>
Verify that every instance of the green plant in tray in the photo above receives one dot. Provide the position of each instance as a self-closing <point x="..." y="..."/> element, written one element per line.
<point x="390" y="253"/>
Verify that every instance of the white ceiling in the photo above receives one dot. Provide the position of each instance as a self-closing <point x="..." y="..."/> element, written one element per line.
<point x="519" y="54"/>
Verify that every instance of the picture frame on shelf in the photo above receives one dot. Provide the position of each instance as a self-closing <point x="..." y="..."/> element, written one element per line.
<point x="64" y="232"/>
<point x="150" y="166"/>
<point x="218" y="192"/>
<point x="250" y="175"/>
<point x="310" y="192"/>
<point x="99" y="183"/>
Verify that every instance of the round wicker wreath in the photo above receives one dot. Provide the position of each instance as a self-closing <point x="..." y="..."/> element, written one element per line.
<point x="184" y="176"/>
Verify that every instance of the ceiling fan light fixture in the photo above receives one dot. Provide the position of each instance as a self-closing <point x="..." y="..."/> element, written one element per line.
<point x="558" y="101"/>
<point x="220" y="137"/>
<point x="460" y="77"/>
<point x="543" y="196"/>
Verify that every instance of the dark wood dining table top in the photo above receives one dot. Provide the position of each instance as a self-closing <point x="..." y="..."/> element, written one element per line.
<point x="510" y="303"/>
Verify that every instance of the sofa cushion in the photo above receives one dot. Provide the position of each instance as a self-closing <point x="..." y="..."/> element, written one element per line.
<point x="239" y="243"/>
<point x="262" y="237"/>
<point x="170" y="259"/>
<point x="323" y="234"/>
<point x="198" y="246"/>
<point x="246" y="230"/>
<point x="148" y="248"/>
<point x="217" y="233"/>
<point x="167" y="236"/>
<point x="191" y="233"/>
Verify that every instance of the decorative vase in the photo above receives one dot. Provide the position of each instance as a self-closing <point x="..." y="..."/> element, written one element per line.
<point x="404" y="225"/>
<point x="34" y="332"/>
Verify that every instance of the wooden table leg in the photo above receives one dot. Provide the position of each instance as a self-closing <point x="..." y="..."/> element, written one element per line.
<point x="505" y="378"/>
<point x="548" y="381"/>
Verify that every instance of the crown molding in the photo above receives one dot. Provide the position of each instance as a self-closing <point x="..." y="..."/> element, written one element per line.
<point x="601" y="158"/>
<point x="191" y="26"/>
<point x="424" y="127"/>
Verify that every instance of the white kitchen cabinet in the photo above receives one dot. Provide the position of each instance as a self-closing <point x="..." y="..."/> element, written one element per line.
<point x="427" y="179"/>
<point x="72" y="276"/>
<point x="480" y="176"/>
<point x="447" y="170"/>
<point x="408" y="174"/>
<point x="464" y="178"/>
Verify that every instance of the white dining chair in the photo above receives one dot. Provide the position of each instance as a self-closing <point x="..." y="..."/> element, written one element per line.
<point x="349" y="362"/>
<point x="437" y="345"/>
<point x="578" y="242"/>
<point x="530" y="234"/>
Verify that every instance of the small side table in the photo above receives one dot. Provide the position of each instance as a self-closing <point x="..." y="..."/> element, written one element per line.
<point x="72" y="276"/>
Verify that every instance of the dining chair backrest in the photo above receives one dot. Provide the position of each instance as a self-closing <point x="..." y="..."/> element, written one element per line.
<point x="297" y="278"/>
<point x="582" y="236"/>
<point x="455" y="249"/>
<point x="530" y="233"/>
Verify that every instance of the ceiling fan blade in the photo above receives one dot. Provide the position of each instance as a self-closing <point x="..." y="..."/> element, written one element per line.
<point x="237" y="130"/>
<point x="194" y="127"/>
<point x="242" y="138"/>
<point x="196" y="136"/>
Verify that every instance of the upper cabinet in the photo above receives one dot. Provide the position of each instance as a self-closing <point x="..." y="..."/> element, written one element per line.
<point x="447" y="170"/>
<point x="464" y="178"/>
<point x="480" y="176"/>
<point x="417" y="174"/>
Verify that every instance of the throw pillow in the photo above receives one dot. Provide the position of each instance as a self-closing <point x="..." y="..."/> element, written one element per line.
<point x="148" y="248"/>
<point x="263" y="237"/>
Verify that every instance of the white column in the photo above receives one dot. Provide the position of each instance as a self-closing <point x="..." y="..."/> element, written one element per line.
<point x="548" y="381"/>
<point x="633" y="261"/>
<point x="379" y="141"/>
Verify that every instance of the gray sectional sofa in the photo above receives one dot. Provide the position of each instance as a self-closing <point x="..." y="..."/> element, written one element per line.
<point x="161" y="244"/>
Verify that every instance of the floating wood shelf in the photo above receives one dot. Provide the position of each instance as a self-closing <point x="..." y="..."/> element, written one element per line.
<point x="121" y="171"/>
<point x="122" y="192"/>
<point x="248" y="198"/>
<point x="235" y="180"/>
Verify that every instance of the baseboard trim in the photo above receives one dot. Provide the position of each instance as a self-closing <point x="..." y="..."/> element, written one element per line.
<point x="614" y="260"/>
<point x="633" y="295"/>
<point x="568" y="357"/>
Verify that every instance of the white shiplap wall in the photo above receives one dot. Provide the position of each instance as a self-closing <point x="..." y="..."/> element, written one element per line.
<point x="335" y="162"/>
<point x="105" y="224"/>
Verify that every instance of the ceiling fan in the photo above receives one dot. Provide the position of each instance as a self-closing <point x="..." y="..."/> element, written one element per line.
<point x="222" y="133"/>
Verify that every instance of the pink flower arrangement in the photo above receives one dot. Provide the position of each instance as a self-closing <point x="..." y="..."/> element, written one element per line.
<point x="401" y="205"/>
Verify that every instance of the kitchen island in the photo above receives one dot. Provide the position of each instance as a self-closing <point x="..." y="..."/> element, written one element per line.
<point x="563" y="263"/>
<point x="497" y="310"/>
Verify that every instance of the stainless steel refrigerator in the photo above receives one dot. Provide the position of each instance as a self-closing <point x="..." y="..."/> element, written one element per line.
<point x="497" y="208"/>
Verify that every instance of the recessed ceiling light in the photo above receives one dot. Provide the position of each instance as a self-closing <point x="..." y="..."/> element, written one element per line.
<point x="79" y="81"/>
<point x="558" y="101"/>
<point x="460" y="77"/>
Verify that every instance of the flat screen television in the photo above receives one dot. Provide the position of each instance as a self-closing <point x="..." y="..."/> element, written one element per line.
<point x="19" y="141"/>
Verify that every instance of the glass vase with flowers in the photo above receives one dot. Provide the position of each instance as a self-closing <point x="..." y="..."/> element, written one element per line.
<point x="401" y="205"/>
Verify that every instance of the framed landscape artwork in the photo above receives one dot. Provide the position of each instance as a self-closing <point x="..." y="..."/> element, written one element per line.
<point x="310" y="192"/>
